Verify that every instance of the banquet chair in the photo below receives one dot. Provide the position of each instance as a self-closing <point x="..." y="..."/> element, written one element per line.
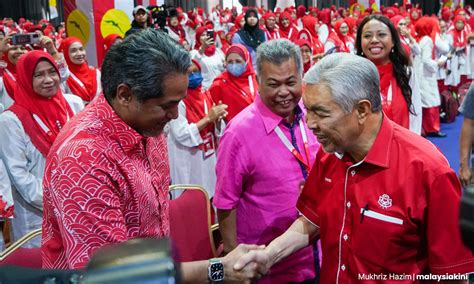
<point x="190" y="224"/>
<point x="15" y="254"/>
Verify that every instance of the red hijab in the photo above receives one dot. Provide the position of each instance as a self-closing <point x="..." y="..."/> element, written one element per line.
<point x="54" y="112"/>
<point x="110" y="40"/>
<point x="309" y="24"/>
<point x="10" y="81"/>
<point x="196" y="102"/>
<point x="179" y="30"/>
<point x="344" y="39"/>
<point x="301" y="43"/>
<point x="235" y="92"/>
<point x="210" y="50"/>
<point x="87" y="75"/>
<point x="459" y="36"/>
<point x="395" y="20"/>
<point x="289" y="32"/>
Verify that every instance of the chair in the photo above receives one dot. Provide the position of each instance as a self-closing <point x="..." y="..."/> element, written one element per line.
<point x="26" y="257"/>
<point x="190" y="224"/>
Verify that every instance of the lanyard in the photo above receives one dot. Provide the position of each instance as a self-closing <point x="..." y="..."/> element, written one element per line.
<point x="292" y="149"/>
<point x="78" y="81"/>
<point x="10" y="75"/>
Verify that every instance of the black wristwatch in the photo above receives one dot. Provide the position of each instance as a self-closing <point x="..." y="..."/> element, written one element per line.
<point x="215" y="271"/>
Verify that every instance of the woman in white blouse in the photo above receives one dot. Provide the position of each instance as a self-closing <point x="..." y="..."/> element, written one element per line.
<point x="28" y="129"/>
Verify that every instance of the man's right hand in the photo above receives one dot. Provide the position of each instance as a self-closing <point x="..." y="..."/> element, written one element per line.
<point x="245" y="263"/>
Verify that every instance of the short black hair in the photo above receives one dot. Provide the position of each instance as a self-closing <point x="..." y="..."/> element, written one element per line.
<point x="142" y="61"/>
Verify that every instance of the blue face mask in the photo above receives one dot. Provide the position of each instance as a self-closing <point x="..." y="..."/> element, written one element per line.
<point x="194" y="80"/>
<point x="236" y="69"/>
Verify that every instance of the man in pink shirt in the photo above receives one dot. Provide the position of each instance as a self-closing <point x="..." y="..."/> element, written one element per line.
<point x="264" y="156"/>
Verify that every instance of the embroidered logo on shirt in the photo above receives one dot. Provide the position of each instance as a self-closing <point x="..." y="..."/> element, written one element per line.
<point x="326" y="179"/>
<point x="385" y="201"/>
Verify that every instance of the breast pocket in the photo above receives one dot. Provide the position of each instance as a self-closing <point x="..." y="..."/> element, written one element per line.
<point x="377" y="237"/>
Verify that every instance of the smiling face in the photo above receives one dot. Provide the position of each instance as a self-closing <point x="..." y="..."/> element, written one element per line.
<point x="285" y="22"/>
<point x="305" y="53"/>
<point x="280" y="87"/>
<point x="335" y="130"/>
<point x="376" y="42"/>
<point x="45" y="79"/>
<point x="150" y="117"/>
<point x="77" y="53"/>
<point x="14" y="52"/>
<point x="344" y="29"/>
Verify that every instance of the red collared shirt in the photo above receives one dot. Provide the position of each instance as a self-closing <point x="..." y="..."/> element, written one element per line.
<point x="104" y="183"/>
<point x="409" y="197"/>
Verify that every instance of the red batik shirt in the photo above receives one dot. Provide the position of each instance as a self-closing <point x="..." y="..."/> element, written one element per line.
<point x="394" y="213"/>
<point x="104" y="183"/>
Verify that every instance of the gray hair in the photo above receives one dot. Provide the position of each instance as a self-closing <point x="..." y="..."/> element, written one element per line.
<point x="278" y="51"/>
<point x="142" y="61"/>
<point x="349" y="77"/>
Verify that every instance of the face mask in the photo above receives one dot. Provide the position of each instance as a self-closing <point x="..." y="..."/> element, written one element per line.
<point x="236" y="69"/>
<point x="194" y="80"/>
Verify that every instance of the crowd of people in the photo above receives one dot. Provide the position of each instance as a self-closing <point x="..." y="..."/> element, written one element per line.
<point x="230" y="102"/>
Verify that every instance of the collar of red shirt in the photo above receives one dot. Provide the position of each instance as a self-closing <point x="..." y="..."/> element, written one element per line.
<point x="379" y="153"/>
<point x="269" y="118"/>
<point x="127" y="137"/>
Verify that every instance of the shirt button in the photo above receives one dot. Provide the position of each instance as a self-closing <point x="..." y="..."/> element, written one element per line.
<point x="345" y="237"/>
<point x="348" y="204"/>
<point x="353" y="172"/>
<point x="343" y="267"/>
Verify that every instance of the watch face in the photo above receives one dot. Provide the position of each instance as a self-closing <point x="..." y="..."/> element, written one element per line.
<point x="216" y="272"/>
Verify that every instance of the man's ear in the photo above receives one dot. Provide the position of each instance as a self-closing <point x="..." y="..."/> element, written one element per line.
<point x="124" y="95"/>
<point x="363" y="109"/>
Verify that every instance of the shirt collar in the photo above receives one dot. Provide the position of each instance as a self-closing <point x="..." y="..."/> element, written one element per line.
<point x="270" y="119"/>
<point x="127" y="137"/>
<point x="379" y="153"/>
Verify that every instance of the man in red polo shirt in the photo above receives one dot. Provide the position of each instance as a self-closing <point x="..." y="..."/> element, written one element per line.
<point x="383" y="200"/>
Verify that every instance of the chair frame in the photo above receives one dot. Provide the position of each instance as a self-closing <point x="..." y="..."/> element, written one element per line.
<point x="16" y="245"/>
<point x="211" y="228"/>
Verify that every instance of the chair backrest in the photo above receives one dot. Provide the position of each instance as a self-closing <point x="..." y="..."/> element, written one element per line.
<point x="26" y="257"/>
<point x="190" y="224"/>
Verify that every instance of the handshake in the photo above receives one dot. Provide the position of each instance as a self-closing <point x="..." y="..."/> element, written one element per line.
<point x="246" y="263"/>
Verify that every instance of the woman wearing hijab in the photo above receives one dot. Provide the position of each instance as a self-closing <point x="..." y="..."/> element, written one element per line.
<point x="378" y="40"/>
<point x="287" y="29"/>
<point x="209" y="57"/>
<point x="28" y="129"/>
<point x="8" y="74"/>
<point x="110" y="40"/>
<point x="193" y="136"/>
<point x="311" y="25"/>
<point x="83" y="80"/>
<point x="412" y="49"/>
<point x="237" y="86"/>
<point x="340" y="40"/>
<point x="306" y="53"/>
<point x="427" y="67"/>
<point x="251" y="36"/>
<point x="459" y="65"/>
<point x="174" y="28"/>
